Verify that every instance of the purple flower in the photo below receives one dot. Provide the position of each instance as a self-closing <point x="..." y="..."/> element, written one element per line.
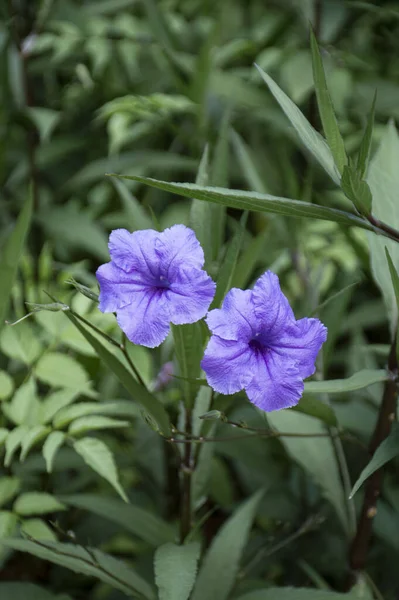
<point x="258" y="345"/>
<point x="154" y="279"/>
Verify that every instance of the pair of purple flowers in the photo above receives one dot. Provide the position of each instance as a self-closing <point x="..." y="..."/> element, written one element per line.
<point x="155" y="279"/>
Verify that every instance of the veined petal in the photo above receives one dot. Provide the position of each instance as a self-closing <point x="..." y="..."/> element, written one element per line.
<point x="135" y="251"/>
<point x="236" y="319"/>
<point x="189" y="296"/>
<point x="301" y="342"/>
<point x="145" y="321"/>
<point x="276" y="383"/>
<point x="228" y="365"/>
<point x="178" y="245"/>
<point x="270" y="305"/>
<point x="117" y="287"/>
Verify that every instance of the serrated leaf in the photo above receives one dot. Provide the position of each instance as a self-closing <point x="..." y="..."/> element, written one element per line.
<point x="35" y="435"/>
<point x="10" y="255"/>
<point x="51" y="446"/>
<point x="148" y="401"/>
<point x="254" y="201"/>
<point x="326" y="109"/>
<point x="358" y="381"/>
<point x="90" y="562"/>
<point x="175" y="570"/>
<point x="37" y="503"/>
<point x="313" y="141"/>
<point x="135" y="519"/>
<point x="220" y="566"/>
<point x="96" y="422"/>
<point x="98" y="456"/>
<point x="9" y="487"/>
<point x="385" y="452"/>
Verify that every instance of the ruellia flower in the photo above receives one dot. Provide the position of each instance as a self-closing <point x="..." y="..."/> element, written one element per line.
<point x="154" y="279"/>
<point x="258" y="345"/>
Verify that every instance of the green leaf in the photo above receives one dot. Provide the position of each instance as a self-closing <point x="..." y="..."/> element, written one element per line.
<point x="200" y="211"/>
<point x="136" y="216"/>
<point x="20" y="343"/>
<point x="9" y="487"/>
<point x="221" y="563"/>
<point x="395" y="283"/>
<point x="27" y="591"/>
<point x="35" y="435"/>
<point x="51" y="446"/>
<point x="356" y="189"/>
<point x="24" y="406"/>
<point x="38" y="530"/>
<point x="37" y="503"/>
<point x="13" y="441"/>
<point x="55" y="402"/>
<point x="83" y="409"/>
<point x="313" y="141"/>
<point x="315" y="455"/>
<point x="96" y="422"/>
<point x="280" y="593"/>
<point x="383" y="179"/>
<point x="61" y="370"/>
<point x="10" y="255"/>
<point x="99" y="457"/>
<point x="87" y="561"/>
<point x="175" y="570"/>
<point x="189" y="343"/>
<point x="326" y="109"/>
<point x="315" y="408"/>
<point x="134" y="519"/>
<point x="6" y="385"/>
<point x="385" y="452"/>
<point x="358" y="381"/>
<point x="254" y="201"/>
<point x="150" y="403"/>
<point x="365" y="145"/>
<point x="8" y="523"/>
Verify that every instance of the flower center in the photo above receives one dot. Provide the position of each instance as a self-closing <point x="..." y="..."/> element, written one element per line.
<point x="162" y="283"/>
<point x="256" y="345"/>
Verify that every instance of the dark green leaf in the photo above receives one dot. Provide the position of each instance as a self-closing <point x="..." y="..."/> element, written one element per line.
<point x="365" y="146"/>
<point x="358" y="381"/>
<point x="175" y="570"/>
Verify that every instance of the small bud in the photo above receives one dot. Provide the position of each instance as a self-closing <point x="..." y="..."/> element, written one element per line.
<point x="83" y="290"/>
<point x="213" y="415"/>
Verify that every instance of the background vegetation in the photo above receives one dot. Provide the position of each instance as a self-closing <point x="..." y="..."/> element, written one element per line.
<point x="168" y="89"/>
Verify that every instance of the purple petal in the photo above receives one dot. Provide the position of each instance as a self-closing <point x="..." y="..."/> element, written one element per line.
<point x="135" y="251"/>
<point x="236" y="319"/>
<point x="301" y="342"/>
<point x="228" y="365"/>
<point x="189" y="296"/>
<point x="178" y="246"/>
<point x="117" y="287"/>
<point x="271" y="306"/>
<point x="145" y="321"/>
<point x="276" y="383"/>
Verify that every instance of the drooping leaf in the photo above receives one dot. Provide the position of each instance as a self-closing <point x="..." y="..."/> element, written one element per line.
<point x="221" y="563"/>
<point x="51" y="446"/>
<point x="10" y="254"/>
<point x="99" y="457"/>
<point x="385" y="452"/>
<point x="37" y="503"/>
<point x="175" y="570"/>
<point x="358" y="381"/>
<point x="254" y="201"/>
<point x="135" y="519"/>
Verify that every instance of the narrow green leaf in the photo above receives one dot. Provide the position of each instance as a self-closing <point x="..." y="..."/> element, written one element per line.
<point x="189" y="344"/>
<point x="282" y="593"/>
<point x="311" y="139"/>
<point x="134" y="519"/>
<point x="326" y="109"/>
<point x="358" y="381"/>
<point x="137" y="218"/>
<point x="37" y="503"/>
<point x="385" y="452"/>
<point x="121" y="408"/>
<point x="88" y="561"/>
<point x="356" y="189"/>
<point x="175" y="570"/>
<point x="221" y="563"/>
<point x="51" y="446"/>
<point x="395" y="282"/>
<point x="200" y="211"/>
<point x="365" y="145"/>
<point x="254" y="201"/>
<point x="10" y="255"/>
<point x="150" y="403"/>
<point x="99" y="457"/>
<point x="85" y="424"/>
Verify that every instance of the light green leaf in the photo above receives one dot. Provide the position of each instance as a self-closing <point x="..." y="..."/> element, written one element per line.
<point x="281" y="593"/>
<point x="315" y="455"/>
<point x="99" y="457"/>
<point x="6" y="385"/>
<point x="37" y="503"/>
<point x="38" y="530"/>
<point x="10" y="254"/>
<point x="358" y="381"/>
<point x="51" y="446"/>
<point x="175" y="570"/>
<point x="85" y="424"/>
<point x="90" y="562"/>
<point x="326" y="109"/>
<point x="148" y="401"/>
<point x="24" y="406"/>
<point x="13" y="441"/>
<point x="20" y="343"/>
<point x="83" y="409"/>
<point x="313" y="141"/>
<point x="221" y="563"/>
<point x="383" y="179"/>
<point x="55" y="402"/>
<point x="9" y="487"/>
<point x="385" y="452"/>
<point x="35" y="435"/>
<point x="61" y="370"/>
<point x="8" y="523"/>
<point x="134" y="519"/>
<point x="254" y="201"/>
